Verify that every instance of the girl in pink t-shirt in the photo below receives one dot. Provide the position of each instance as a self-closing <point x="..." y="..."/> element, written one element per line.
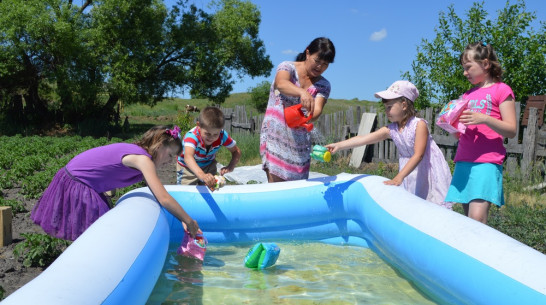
<point x="490" y="116"/>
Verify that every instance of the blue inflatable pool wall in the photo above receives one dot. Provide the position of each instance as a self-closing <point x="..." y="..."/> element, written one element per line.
<point x="452" y="258"/>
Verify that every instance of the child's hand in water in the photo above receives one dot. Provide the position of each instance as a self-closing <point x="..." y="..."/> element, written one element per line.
<point x="395" y="181"/>
<point x="192" y="227"/>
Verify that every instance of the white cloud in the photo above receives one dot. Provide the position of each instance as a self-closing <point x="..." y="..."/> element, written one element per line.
<point x="290" y="52"/>
<point x="378" y="36"/>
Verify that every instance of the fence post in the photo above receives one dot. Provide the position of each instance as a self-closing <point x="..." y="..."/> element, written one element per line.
<point x="529" y="144"/>
<point x="366" y="125"/>
<point x="5" y="226"/>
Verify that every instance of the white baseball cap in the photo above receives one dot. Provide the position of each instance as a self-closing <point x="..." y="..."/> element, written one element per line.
<point x="398" y="89"/>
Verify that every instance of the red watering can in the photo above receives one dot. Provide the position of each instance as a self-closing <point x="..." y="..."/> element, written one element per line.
<point x="295" y="118"/>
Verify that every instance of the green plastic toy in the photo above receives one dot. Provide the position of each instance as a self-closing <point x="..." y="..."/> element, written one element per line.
<point x="262" y="255"/>
<point x="321" y="153"/>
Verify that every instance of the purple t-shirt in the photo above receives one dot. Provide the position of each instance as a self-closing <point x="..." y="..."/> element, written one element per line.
<point x="481" y="144"/>
<point x="101" y="168"/>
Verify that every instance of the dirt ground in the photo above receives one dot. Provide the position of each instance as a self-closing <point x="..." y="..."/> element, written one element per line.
<point x="13" y="274"/>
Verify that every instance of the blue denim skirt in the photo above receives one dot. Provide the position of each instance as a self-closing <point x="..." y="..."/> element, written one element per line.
<point x="476" y="181"/>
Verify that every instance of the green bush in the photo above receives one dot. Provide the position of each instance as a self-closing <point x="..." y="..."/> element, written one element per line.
<point x="260" y="95"/>
<point x="39" y="250"/>
<point x="186" y="121"/>
<point x="16" y="205"/>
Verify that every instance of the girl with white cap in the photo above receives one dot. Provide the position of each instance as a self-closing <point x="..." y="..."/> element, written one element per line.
<point x="423" y="169"/>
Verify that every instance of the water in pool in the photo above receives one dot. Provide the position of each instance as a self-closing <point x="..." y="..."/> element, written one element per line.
<point x="305" y="273"/>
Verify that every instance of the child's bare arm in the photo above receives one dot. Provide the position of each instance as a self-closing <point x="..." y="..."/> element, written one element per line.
<point x="189" y="159"/>
<point x="145" y="165"/>
<point x="371" y="138"/>
<point x="419" y="148"/>
<point x="506" y="127"/>
<point x="235" y="156"/>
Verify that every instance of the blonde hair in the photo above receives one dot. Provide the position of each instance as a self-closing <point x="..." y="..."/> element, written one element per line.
<point x="160" y="136"/>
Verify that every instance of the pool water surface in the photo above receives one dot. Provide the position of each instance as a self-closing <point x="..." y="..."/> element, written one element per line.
<point x="305" y="273"/>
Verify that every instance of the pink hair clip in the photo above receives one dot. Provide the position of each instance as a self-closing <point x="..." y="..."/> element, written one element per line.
<point x="173" y="132"/>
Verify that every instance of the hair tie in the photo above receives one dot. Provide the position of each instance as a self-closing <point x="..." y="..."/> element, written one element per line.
<point x="173" y="132"/>
<point x="484" y="44"/>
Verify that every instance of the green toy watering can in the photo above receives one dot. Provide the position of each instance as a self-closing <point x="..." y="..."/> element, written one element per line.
<point x="321" y="153"/>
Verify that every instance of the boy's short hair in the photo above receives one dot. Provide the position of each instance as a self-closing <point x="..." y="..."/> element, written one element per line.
<point x="211" y="117"/>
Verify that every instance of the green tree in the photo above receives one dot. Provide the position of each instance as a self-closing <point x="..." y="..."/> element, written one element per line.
<point x="260" y="95"/>
<point x="71" y="63"/>
<point x="41" y="49"/>
<point x="437" y="73"/>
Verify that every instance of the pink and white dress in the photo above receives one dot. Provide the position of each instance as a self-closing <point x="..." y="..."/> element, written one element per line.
<point x="285" y="152"/>
<point x="430" y="180"/>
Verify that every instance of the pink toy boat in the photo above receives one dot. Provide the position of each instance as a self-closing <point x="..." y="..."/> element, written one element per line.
<point x="193" y="247"/>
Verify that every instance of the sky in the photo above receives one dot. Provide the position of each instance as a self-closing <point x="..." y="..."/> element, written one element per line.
<point x="376" y="41"/>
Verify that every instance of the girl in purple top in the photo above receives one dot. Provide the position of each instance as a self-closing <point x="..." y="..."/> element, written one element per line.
<point x="75" y="199"/>
<point x="490" y="116"/>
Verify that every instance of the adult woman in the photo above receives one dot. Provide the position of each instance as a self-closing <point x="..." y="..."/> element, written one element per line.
<point x="285" y="151"/>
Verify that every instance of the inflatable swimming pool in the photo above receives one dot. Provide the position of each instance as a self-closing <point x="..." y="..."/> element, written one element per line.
<point x="452" y="258"/>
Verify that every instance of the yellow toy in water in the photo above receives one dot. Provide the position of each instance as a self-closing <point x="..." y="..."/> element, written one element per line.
<point x="321" y="153"/>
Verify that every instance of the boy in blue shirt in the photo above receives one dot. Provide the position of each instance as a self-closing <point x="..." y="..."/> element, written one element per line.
<point x="197" y="163"/>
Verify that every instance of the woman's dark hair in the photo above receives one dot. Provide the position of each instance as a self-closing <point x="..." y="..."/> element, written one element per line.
<point x="480" y="51"/>
<point x="323" y="46"/>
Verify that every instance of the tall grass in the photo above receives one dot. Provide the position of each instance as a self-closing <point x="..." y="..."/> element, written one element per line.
<point x="249" y="144"/>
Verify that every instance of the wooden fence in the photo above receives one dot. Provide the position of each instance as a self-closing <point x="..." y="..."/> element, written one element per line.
<point x="522" y="150"/>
